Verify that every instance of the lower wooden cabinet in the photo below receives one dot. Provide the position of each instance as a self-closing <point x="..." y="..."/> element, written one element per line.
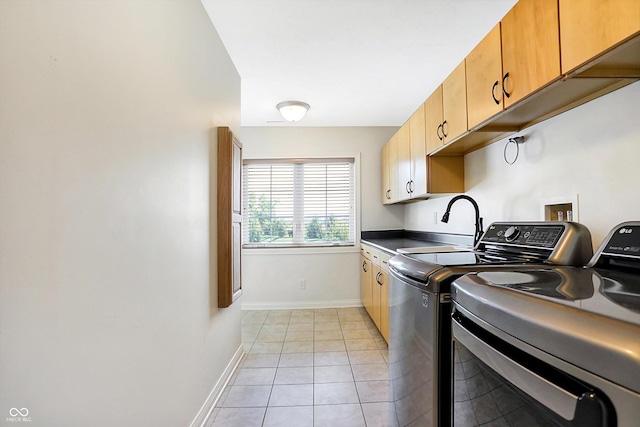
<point x="365" y="282"/>
<point x="374" y="287"/>
<point x="374" y="311"/>
<point x="380" y="300"/>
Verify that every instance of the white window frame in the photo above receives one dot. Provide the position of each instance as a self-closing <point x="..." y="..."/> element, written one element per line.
<point x="274" y="250"/>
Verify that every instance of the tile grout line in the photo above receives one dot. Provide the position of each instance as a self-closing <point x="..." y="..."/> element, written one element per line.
<point x="314" y="353"/>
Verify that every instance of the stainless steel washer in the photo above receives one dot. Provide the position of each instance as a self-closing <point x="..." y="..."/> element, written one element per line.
<point x="420" y="307"/>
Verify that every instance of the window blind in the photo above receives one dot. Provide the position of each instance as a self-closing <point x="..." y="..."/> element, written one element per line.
<point x="308" y="202"/>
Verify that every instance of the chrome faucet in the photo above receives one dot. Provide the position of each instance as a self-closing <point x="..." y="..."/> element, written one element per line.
<point x="478" y="233"/>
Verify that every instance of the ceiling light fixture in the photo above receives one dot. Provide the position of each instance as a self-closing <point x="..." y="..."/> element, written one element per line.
<point x="293" y="111"/>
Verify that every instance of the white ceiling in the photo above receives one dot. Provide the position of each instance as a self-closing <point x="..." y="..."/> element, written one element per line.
<point x="356" y="62"/>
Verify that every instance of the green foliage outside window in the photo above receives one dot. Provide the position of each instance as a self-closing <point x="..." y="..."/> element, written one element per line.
<point x="264" y="227"/>
<point x="333" y="230"/>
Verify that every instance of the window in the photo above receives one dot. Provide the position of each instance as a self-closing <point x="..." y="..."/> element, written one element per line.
<point x="292" y="203"/>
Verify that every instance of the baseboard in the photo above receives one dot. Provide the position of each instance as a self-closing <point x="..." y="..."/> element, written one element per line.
<point x="300" y="304"/>
<point x="217" y="390"/>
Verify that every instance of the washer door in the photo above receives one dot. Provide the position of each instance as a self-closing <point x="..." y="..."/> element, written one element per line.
<point x="496" y="383"/>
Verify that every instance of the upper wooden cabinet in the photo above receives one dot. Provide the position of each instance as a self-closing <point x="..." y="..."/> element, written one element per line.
<point x="454" y="104"/>
<point x="433" y="120"/>
<point x="404" y="162"/>
<point x="418" y="182"/>
<point x="409" y="173"/>
<point x="390" y="171"/>
<point x="394" y="164"/>
<point x="484" y="79"/>
<point x="446" y="110"/>
<point x="589" y="28"/>
<point x="412" y="164"/>
<point x="530" y="48"/>
<point x="556" y="55"/>
<point x="386" y="172"/>
<point x="545" y="57"/>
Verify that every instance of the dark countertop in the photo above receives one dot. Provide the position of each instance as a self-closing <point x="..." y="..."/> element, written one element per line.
<point x="392" y="240"/>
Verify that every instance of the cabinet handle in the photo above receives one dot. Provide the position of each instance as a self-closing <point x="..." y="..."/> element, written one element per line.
<point x="411" y="186"/>
<point x="438" y="132"/>
<point x="493" y="93"/>
<point x="504" y="78"/>
<point x="364" y="266"/>
<point x="443" y="132"/>
<point x="378" y="278"/>
<point x="406" y="187"/>
<point x="387" y="194"/>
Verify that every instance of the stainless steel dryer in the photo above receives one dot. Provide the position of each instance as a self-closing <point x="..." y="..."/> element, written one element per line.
<point x="551" y="346"/>
<point x="420" y="307"/>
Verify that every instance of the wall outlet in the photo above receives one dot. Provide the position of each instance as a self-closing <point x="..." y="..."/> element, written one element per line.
<point x="302" y="284"/>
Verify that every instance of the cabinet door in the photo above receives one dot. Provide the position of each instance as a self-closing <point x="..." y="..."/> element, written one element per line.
<point x="589" y="27"/>
<point x="394" y="164"/>
<point x="454" y="103"/>
<point x="433" y="120"/>
<point x="484" y="76"/>
<point x="236" y="192"/>
<point x="237" y="257"/>
<point x="404" y="162"/>
<point x="530" y="48"/>
<point x="229" y="221"/>
<point x="376" y="284"/>
<point x="365" y="282"/>
<point x="386" y="170"/>
<point x="418" y="153"/>
<point x="384" y="304"/>
<point x="236" y="218"/>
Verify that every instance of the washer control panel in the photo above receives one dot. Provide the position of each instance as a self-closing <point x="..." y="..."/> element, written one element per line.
<point x="625" y="240"/>
<point x="540" y="235"/>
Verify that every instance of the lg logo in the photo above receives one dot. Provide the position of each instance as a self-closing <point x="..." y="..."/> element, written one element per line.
<point x="626" y="231"/>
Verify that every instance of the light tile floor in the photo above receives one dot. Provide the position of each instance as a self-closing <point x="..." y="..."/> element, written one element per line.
<point x="304" y="368"/>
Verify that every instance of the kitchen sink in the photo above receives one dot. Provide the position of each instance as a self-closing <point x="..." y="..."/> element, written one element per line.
<point x="433" y="249"/>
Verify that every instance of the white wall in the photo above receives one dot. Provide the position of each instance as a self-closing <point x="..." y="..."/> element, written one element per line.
<point x="590" y="153"/>
<point x="270" y="278"/>
<point x="107" y="294"/>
